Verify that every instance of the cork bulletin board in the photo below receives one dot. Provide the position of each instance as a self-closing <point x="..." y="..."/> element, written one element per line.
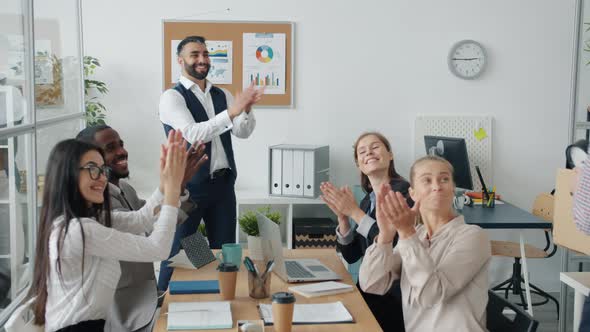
<point x="233" y="31"/>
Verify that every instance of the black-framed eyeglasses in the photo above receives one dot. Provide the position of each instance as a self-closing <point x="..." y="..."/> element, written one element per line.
<point x="95" y="171"/>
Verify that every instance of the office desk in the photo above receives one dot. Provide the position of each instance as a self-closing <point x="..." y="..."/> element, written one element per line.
<point x="580" y="282"/>
<point x="244" y="307"/>
<point x="507" y="216"/>
<point x="503" y="216"/>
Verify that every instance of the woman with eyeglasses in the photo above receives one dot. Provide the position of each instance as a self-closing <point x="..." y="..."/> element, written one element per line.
<point x="80" y="242"/>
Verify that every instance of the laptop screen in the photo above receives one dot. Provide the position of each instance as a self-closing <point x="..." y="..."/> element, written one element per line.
<point x="271" y="242"/>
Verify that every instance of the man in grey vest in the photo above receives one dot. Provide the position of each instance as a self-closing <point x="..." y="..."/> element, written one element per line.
<point x="136" y="298"/>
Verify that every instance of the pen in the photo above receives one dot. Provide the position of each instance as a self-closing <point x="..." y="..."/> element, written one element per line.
<point x="249" y="264"/>
<point x="269" y="267"/>
<point x="494" y="198"/>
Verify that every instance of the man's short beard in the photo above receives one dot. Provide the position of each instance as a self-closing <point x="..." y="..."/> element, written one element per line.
<point x="118" y="176"/>
<point x="193" y="73"/>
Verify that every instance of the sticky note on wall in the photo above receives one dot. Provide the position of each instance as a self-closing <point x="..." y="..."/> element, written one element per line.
<point x="480" y="134"/>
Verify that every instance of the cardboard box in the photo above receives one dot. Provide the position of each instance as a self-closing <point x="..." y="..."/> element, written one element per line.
<point x="565" y="233"/>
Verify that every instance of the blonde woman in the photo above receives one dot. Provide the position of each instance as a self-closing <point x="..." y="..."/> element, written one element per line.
<point x="442" y="263"/>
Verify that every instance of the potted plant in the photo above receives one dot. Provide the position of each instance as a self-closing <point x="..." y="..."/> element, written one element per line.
<point x="94" y="108"/>
<point x="249" y="225"/>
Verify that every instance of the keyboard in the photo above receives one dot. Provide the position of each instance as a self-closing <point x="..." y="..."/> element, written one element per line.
<point x="295" y="270"/>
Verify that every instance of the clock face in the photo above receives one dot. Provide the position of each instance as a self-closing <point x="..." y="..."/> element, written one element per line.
<point x="467" y="59"/>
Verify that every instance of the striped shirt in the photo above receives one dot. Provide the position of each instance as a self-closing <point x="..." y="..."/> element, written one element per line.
<point x="582" y="199"/>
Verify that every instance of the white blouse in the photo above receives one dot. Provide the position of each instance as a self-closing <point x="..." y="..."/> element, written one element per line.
<point x="80" y="295"/>
<point x="444" y="280"/>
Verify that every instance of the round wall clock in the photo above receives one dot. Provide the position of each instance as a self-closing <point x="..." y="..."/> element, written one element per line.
<point x="467" y="59"/>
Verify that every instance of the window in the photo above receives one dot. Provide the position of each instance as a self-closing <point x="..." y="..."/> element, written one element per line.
<point x="41" y="103"/>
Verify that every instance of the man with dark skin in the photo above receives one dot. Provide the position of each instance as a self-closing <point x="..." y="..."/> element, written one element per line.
<point x="136" y="298"/>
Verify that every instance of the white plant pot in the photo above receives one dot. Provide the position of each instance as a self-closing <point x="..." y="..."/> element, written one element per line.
<point x="255" y="248"/>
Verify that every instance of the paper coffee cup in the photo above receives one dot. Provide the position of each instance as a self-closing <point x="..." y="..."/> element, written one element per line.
<point x="228" y="274"/>
<point x="283" y="304"/>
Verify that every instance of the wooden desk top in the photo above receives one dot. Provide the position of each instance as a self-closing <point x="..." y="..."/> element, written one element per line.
<point x="244" y="307"/>
<point x="580" y="281"/>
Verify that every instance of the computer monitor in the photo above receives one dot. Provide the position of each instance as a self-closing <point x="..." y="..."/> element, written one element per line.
<point x="454" y="150"/>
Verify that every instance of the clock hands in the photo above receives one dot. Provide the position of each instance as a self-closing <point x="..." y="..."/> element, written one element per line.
<point x="466" y="59"/>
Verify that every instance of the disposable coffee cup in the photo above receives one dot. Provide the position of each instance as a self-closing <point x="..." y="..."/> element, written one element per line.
<point x="283" y="304"/>
<point x="228" y="274"/>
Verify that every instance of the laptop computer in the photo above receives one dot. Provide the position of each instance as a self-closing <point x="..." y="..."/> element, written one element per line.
<point x="290" y="270"/>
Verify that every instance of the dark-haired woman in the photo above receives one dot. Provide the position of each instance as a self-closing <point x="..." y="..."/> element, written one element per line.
<point x="80" y="243"/>
<point x="374" y="159"/>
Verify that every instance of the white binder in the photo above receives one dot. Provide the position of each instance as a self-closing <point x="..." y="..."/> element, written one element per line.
<point x="308" y="174"/>
<point x="298" y="172"/>
<point x="277" y="171"/>
<point x="287" y="172"/>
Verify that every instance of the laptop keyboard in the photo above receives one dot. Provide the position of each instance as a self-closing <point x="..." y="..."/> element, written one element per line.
<point x="295" y="270"/>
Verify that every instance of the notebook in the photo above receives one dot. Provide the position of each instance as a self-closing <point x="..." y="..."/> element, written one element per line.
<point x="197" y="249"/>
<point x="199" y="315"/>
<point x="194" y="287"/>
<point x="322" y="288"/>
<point x="317" y="313"/>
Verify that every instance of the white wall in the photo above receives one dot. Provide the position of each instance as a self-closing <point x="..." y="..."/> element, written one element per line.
<point x="369" y="65"/>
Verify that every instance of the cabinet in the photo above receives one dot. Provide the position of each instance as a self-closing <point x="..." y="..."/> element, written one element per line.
<point x="289" y="207"/>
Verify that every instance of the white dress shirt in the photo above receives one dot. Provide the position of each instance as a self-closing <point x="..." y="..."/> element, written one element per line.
<point x="81" y="295"/>
<point x="174" y="112"/>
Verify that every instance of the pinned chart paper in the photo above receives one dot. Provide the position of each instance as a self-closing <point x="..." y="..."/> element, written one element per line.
<point x="220" y="53"/>
<point x="264" y="61"/>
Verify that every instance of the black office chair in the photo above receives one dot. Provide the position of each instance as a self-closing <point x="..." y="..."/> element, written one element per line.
<point x="542" y="208"/>
<point x="498" y="322"/>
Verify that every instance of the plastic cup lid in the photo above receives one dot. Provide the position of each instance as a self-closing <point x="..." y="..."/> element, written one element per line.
<point x="283" y="297"/>
<point x="227" y="267"/>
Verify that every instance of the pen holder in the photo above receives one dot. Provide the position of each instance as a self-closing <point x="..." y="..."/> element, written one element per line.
<point x="258" y="288"/>
<point x="490" y="202"/>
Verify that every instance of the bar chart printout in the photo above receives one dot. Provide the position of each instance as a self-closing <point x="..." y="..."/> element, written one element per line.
<point x="264" y="61"/>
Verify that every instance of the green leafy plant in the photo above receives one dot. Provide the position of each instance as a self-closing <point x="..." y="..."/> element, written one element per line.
<point x="202" y="229"/>
<point x="95" y="110"/>
<point x="249" y="224"/>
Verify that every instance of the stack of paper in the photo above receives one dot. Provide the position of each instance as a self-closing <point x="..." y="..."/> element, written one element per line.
<point x="199" y="315"/>
<point x="319" y="313"/>
<point x="322" y="288"/>
<point x="181" y="260"/>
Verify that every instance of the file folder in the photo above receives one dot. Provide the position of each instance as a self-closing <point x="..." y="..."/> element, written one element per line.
<point x="194" y="287"/>
<point x="298" y="165"/>
<point x="308" y="174"/>
<point x="276" y="169"/>
<point x="287" y="172"/>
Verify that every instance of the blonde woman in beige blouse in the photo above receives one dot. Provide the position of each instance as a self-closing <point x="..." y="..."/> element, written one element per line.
<point x="442" y="263"/>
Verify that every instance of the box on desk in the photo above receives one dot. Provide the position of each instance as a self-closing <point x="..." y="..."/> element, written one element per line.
<point x="314" y="233"/>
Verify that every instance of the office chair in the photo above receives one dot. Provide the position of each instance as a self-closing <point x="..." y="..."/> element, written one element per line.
<point x="496" y="321"/>
<point x="542" y="208"/>
<point x="22" y="319"/>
